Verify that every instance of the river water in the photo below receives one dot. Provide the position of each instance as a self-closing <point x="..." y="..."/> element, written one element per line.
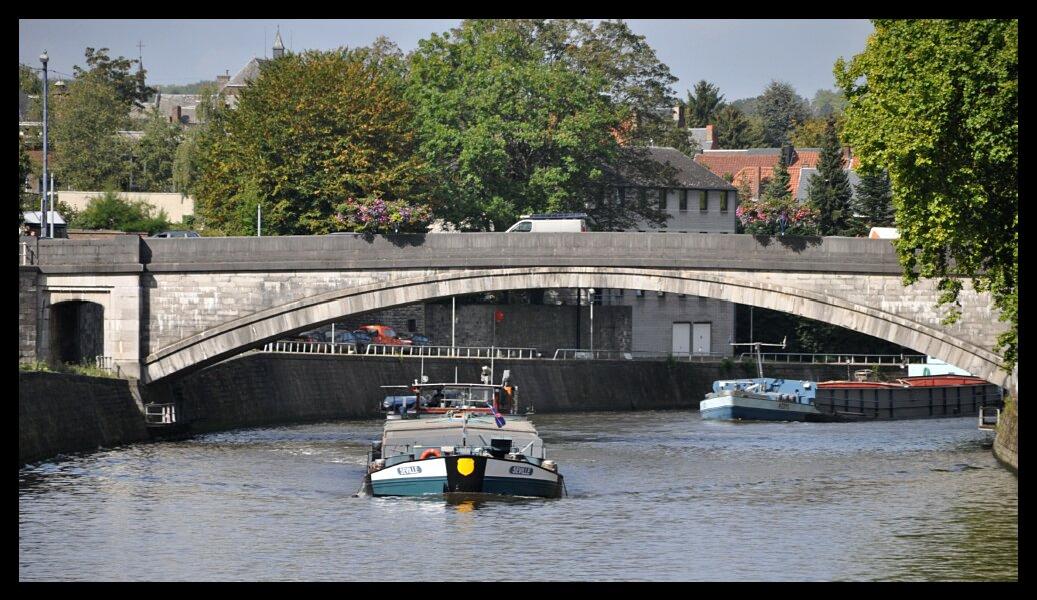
<point x="653" y="496"/>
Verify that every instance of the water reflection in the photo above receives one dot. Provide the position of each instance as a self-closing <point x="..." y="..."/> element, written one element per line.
<point x="652" y="496"/>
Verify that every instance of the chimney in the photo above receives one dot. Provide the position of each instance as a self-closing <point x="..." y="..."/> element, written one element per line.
<point x="711" y="143"/>
<point x="678" y="115"/>
<point x="222" y="80"/>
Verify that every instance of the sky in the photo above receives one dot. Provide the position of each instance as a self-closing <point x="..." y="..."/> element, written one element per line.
<point x="739" y="56"/>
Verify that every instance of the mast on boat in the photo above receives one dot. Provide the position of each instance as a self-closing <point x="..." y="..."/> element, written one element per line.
<point x="756" y="345"/>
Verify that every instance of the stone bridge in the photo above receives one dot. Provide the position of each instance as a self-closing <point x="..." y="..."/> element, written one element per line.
<point x="170" y="306"/>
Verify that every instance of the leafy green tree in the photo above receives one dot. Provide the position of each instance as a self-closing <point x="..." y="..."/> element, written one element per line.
<point x="24" y="169"/>
<point x="109" y="211"/>
<point x="89" y="154"/>
<point x="130" y="88"/>
<point x="781" y="109"/>
<point x="827" y="103"/>
<point x="734" y="130"/>
<point x="188" y="88"/>
<point x="311" y="131"/>
<point x="830" y="191"/>
<point x="936" y="102"/>
<point x="155" y="154"/>
<point x="874" y="199"/>
<point x="187" y="161"/>
<point x="703" y="104"/>
<point x="524" y="116"/>
<point x="29" y="83"/>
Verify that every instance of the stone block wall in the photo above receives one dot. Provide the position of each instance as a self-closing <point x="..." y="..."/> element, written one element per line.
<point x="1006" y="441"/>
<point x="544" y="327"/>
<point x="60" y="413"/>
<point x="28" y="316"/>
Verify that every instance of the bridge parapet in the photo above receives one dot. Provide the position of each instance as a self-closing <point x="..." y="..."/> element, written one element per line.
<point x="472" y="250"/>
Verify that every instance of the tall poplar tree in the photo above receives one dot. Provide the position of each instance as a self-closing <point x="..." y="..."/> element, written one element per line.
<point x="830" y="190"/>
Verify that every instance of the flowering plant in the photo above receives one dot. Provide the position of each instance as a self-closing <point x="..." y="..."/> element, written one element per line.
<point x="376" y="215"/>
<point x="777" y="215"/>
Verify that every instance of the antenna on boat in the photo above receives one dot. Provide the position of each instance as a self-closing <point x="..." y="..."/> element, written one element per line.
<point x="759" y="358"/>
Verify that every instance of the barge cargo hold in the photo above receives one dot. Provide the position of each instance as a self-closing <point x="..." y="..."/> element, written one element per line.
<point x="922" y="397"/>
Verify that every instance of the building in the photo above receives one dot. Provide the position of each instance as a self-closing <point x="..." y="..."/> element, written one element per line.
<point x="231" y="87"/>
<point x="756" y="165"/>
<point x="698" y="202"/>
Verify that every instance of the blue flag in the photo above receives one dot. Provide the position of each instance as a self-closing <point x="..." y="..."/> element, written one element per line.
<point x="497" y="417"/>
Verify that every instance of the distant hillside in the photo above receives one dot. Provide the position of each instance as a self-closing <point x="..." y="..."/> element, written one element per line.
<point x="187" y="88"/>
<point x="747" y="105"/>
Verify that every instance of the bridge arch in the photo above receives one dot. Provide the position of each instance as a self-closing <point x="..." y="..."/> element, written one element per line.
<point x="255" y="329"/>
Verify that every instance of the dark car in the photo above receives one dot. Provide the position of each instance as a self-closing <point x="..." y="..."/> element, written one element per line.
<point x="362" y="339"/>
<point x="347" y="338"/>
<point x="177" y="234"/>
<point x="417" y="339"/>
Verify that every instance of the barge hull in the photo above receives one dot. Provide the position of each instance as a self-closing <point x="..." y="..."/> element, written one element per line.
<point x="465" y="474"/>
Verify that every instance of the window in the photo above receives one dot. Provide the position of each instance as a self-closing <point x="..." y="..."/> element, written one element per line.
<point x="523" y="226"/>
<point x="684" y="200"/>
<point x="724" y="199"/>
<point x="703" y="201"/>
<point x="663" y="192"/>
<point x="412" y="325"/>
<point x="640" y="293"/>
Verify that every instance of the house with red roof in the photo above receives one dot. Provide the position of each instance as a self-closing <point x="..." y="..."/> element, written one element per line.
<point x="756" y="165"/>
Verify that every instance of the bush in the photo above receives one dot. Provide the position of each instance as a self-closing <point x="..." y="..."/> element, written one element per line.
<point x="109" y="211"/>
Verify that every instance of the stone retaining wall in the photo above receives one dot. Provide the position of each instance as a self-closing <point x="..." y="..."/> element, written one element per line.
<point x="1006" y="442"/>
<point x="60" y="413"/>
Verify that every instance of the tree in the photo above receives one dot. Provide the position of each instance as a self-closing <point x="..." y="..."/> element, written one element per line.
<point x="187" y="162"/>
<point x="89" y="154"/>
<point x="109" y="211"/>
<point x="703" y="104"/>
<point x="29" y="83"/>
<point x="777" y="212"/>
<point x="830" y="192"/>
<point x="875" y="199"/>
<point x="24" y="168"/>
<point x="936" y="103"/>
<point x="733" y="130"/>
<point x="781" y="109"/>
<point x="156" y="153"/>
<point x="311" y="131"/>
<point x="519" y="117"/>
<point x="827" y="103"/>
<point x="129" y="87"/>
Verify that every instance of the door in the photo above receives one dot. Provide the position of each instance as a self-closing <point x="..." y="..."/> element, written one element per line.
<point x="701" y="338"/>
<point x="681" y="338"/>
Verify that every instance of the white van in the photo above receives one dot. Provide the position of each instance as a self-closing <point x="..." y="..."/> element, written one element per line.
<point x="550" y="222"/>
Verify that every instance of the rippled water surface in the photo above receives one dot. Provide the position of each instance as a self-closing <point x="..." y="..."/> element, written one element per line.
<point x="652" y="496"/>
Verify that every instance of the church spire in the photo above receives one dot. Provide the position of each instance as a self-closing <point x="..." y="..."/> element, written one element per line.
<point x="278" y="45"/>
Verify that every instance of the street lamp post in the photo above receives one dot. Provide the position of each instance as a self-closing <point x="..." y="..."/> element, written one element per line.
<point x="43" y="196"/>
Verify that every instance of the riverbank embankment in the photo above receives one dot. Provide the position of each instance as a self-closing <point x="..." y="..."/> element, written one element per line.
<point x="60" y="413"/>
<point x="1006" y="442"/>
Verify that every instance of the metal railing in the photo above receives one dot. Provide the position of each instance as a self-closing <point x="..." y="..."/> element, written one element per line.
<point x="160" y="414"/>
<point x="26" y="255"/>
<point x="584" y="354"/>
<point x="837" y="359"/>
<point x="310" y="347"/>
<point x="989" y="417"/>
<point x="451" y="351"/>
<point x="107" y="363"/>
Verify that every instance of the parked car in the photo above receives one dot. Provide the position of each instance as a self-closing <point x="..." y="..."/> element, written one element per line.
<point x="363" y="338"/>
<point x="383" y="334"/>
<point x="350" y="339"/>
<point x="177" y="234"/>
<point x="417" y="339"/>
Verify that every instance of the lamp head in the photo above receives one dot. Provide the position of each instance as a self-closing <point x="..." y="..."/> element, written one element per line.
<point x="44" y="58"/>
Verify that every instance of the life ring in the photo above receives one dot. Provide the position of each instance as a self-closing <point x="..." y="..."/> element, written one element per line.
<point x="430" y="452"/>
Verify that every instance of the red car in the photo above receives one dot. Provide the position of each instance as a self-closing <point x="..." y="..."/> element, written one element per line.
<point x="383" y="334"/>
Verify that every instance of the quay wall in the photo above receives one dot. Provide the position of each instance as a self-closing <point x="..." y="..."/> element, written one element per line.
<point x="1006" y="441"/>
<point x="60" y="413"/>
<point x="261" y="389"/>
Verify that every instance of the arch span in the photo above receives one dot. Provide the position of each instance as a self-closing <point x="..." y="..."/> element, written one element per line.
<point x="255" y="329"/>
<point x="76" y="331"/>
